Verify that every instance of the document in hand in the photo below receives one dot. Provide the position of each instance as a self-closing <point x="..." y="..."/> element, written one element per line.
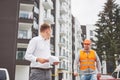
<point x="53" y="59"/>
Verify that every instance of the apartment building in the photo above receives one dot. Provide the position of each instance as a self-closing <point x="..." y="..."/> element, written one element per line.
<point x="76" y="42"/>
<point x="90" y="31"/>
<point x="58" y="15"/>
<point x="24" y="21"/>
<point x="28" y="27"/>
<point x="63" y="39"/>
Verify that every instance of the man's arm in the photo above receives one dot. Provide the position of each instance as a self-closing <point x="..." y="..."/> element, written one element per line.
<point x="30" y="50"/>
<point x="98" y="63"/>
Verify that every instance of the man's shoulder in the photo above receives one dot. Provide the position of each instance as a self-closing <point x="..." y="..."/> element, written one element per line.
<point x="92" y="50"/>
<point x="35" y="38"/>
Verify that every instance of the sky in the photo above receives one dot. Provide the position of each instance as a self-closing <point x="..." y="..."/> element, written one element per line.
<point x="86" y="11"/>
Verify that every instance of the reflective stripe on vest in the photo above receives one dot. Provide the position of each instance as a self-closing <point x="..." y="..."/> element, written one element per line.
<point x="87" y="60"/>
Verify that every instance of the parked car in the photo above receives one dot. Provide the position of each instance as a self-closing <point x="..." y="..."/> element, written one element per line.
<point x="116" y="73"/>
<point x="107" y="77"/>
<point x="4" y="74"/>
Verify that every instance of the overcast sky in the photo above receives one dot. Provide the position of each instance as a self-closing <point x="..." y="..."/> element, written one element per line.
<point x="86" y="11"/>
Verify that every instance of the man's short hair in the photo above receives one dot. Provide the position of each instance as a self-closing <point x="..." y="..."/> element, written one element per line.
<point x="44" y="26"/>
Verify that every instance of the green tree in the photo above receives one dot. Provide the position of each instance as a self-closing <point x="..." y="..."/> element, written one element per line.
<point x="108" y="34"/>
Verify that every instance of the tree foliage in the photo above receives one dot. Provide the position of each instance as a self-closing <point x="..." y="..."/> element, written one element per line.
<point x="108" y="33"/>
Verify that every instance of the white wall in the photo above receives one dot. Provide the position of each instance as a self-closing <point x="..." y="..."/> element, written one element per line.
<point x="22" y="72"/>
<point x="90" y="28"/>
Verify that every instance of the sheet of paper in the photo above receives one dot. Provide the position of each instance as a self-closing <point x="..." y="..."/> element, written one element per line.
<point x="53" y="59"/>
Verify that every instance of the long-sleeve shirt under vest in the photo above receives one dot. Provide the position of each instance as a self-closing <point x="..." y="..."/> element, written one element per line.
<point x="88" y="71"/>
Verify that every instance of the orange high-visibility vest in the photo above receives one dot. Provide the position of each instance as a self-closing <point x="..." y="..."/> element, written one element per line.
<point x="87" y="60"/>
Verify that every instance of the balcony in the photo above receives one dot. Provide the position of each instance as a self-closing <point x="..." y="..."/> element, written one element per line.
<point x="61" y="57"/>
<point x="27" y="1"/>
<point x="24" y="31"/>
<point x="26" y="7"/>
<point x="63" y="0"/>
<point x="36" y="10"/>
<point x="62" y="33"/>
<point x="23" y="20"/>
<point x="61" y="44"/>
<point x="20" y="55"/>
<point x="26" y="17"/>
<point x="25" y="26"/>
<point x="22" y="45"/>
<point x="49" y="19"/>
<point x="63" y="9"/>
<point x="62" y="20"/>
<point x="48" y="4"/>
<point x="52" y="48"/>
<point x="61" y="68"/>
<point x="22" y="62"/>
<point x="35" y="25"/>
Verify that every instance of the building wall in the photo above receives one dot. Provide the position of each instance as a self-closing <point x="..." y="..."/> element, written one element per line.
<point x="27" y="28"/>
<point x="62" y="37"/>
<point x="76" y="41"/>
<point x="22" y="72"/>
<point x="8" y="35"/>
<point x="90" y="31"/>
<point x="63" y="47"/>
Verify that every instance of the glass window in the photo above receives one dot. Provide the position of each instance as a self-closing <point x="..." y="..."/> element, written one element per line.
<point x="2" y="75"/>
<point x="91" y="33"/>
<point x="20" y="55"/>
<point x="22" y="34"/>
<point x="23" y="14"/>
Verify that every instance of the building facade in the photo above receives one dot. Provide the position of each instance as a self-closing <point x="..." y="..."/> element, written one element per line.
<point x="63" y="39"/>
<point x="24" y="21"/>
<point x="76" y="42"/>
<point x="28" y="27"/>
<point x="57" y="13"/>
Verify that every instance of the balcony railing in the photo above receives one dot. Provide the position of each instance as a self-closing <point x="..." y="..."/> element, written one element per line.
<point x="49" y="19"/>
<point x="26" y="7"/>
<point x="36" y="10"/>
<point x="62" y="31"/>
<point x="26" y="15"/>
<point x="63" y="0"/>
<point x="48" y="4"/>
<point x="61" y="57"/>
<point x="63" y="8"/>
<point x="62" y="20"/>
<point x="61" y="44"/>
<point x="27" y="1"/>
<point x="35" y="25"/>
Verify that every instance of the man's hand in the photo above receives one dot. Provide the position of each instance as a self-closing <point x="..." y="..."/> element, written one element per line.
<point x="75" y="74"/>
<point x="42" y="60"/>
<point x="56" y="63"/>
<point x="98" y="76"/>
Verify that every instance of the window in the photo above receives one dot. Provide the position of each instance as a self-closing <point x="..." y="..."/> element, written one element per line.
<point x="20" y="55"/>
<point x="91" y="33"/>
<point x="22" y="34"/>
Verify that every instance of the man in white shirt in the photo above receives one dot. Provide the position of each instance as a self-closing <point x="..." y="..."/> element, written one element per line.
<point x="38" y="53"/>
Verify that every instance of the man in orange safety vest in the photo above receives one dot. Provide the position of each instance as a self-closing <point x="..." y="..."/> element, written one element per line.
<point x="89" y="63"/>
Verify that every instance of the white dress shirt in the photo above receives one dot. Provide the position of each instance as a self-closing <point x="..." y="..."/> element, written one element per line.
<point x="38" y="47"/>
